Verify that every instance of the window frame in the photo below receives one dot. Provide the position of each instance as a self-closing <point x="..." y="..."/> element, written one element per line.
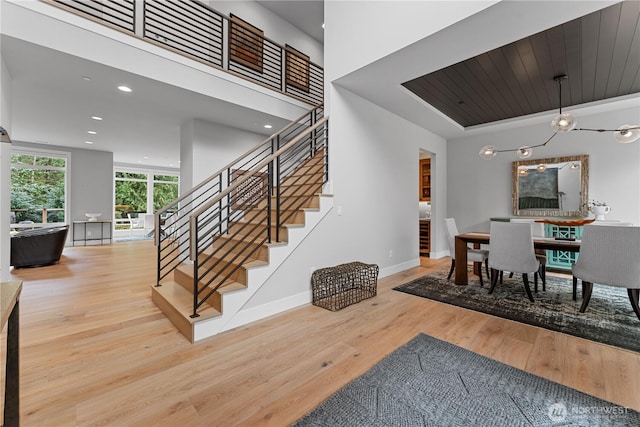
<point x="40" y="152"/>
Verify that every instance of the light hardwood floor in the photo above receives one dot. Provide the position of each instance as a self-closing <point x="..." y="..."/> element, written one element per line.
<point x="96" y="351"/>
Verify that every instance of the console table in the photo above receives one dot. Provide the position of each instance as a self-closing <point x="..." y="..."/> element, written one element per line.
<point x="92" y="232"/>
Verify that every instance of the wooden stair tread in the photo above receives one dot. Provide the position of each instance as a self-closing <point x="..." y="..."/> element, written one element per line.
<point x="182" y="302"/>
<point x="251" y="262"/>
<point x="187" y="270"/>
<point x="227" y="286"/>
<point x="287" y="225"/>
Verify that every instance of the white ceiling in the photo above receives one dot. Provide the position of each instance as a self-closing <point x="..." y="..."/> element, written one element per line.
<point x="306" y="15"/>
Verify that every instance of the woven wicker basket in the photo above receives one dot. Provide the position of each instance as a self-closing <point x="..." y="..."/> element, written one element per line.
<point x="337" y="287"/>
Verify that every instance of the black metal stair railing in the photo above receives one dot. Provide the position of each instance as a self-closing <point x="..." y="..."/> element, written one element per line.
<point x="222" y="222"/>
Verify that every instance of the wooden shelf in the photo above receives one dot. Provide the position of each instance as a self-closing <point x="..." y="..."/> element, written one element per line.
<point x="425" y="180"/>
<point x="425" y="237"/>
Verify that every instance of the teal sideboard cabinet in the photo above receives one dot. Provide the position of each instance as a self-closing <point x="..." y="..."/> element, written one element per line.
<point x="562" y="260"/>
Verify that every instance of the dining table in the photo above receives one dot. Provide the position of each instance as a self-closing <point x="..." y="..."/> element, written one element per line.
<point x="478" y="238"/>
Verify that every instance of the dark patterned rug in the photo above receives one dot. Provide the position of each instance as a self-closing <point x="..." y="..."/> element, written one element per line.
<point x="608" y="319"/>
<point x="429" y="382"/>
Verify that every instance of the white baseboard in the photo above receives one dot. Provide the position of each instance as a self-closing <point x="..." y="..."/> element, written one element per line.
<point x="269" y="309"/>
<point x="388" y="271"/>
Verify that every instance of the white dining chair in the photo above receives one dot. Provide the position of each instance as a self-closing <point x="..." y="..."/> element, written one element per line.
<point x="474" y="255"/>
<point x="511" y="249"/>
<point x="601" y="224"/>
<point x="537" y="229"/>
<point x="609" y="256"/>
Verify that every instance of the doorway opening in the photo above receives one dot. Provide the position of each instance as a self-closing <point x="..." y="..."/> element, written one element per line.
<point x="425" y="164"/>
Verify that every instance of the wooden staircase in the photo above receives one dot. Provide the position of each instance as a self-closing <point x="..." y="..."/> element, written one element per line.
<point x="239" y="254"/>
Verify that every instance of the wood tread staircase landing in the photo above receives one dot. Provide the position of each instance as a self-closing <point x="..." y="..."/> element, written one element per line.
<point x="222" y="310"/>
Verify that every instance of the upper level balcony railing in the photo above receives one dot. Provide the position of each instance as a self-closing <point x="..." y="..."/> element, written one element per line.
<point x="196" y="30"/>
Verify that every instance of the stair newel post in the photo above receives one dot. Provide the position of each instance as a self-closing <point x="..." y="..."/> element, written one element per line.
<point x="220" y="202"/>
<point x="314" y="135"/>
<point x="275" y="144"/>
<point x="227" y="205"/>
<point x="326" y="152"/>
<point x="193" y="249"/>
<point x="158" y="243"/>
<point x="277" y="187"/>
<point x="268" y="196"/>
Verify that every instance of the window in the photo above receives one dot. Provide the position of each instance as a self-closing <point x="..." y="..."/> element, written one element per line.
<point x="38" y="186"/>
<point x="139" y="191"/>
<point x="131" y="194"/>
<point x="165" y="190"/>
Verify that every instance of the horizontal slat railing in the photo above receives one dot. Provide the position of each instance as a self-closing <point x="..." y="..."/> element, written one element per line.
<point x="120" y="13"/>
<point x="189" y="27"/>
<point x="194" y="29"/>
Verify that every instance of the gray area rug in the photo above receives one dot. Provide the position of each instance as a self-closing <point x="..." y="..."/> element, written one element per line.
<point x="609" y="318"/>
<point x="429" y="382"/>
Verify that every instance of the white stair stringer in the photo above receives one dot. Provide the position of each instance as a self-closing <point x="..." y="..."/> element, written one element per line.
<point x="233" y="301"/>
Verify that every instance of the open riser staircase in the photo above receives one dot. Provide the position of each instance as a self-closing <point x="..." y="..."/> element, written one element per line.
<point x="220" y="242"/>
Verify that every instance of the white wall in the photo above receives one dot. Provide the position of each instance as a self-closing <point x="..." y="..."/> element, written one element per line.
<point x="5" y="169"/>
<point x="480" y="189"/>
<point x="212" y="146"/>
<point x="274" y="27"/>
<point x="374" y="170"/>
<point x="358" y="33"/>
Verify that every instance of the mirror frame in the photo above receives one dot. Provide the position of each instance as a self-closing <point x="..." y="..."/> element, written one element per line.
<point x="584" y="180"/>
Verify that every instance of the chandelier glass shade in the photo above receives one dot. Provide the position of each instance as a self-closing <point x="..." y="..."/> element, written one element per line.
<point x="488" y="152"/>
<point x="564" y="122"/>
<point x="627" y="133"/>
<point x="525" y="152"/>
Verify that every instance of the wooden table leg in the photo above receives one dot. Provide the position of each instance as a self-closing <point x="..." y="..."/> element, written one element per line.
<point x="477" y="266"/>
<point x="461" y="275"/>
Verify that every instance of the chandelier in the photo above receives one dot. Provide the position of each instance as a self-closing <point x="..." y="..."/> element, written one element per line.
<point x="562" y="123"/>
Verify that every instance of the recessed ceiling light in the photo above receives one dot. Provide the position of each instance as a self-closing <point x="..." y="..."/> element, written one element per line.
<point x="86" y="78"/>
<point x="268" y="126"/>
<point x="125" y="88"/>
<point x="323" y="25"/>
<point x="145" y="157"/>
<point x="96" y="118"/>
<point x="139" y="161"/>
<point x="88" y="142"/>
<point x="92" y="132"/>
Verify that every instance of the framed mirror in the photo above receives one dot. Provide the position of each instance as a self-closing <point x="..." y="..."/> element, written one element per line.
<point x="554" y="187"/>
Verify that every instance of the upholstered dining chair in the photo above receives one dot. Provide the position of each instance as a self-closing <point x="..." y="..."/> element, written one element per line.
<point x="537" y="229"/>
<point x="609" y="256"/>
<point x="475" y="255"/>
<point x="603" y="224"/>
<point x="511" y="249"/>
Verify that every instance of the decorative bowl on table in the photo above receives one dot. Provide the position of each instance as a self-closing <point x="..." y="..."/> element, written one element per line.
<point x="93" y="216"/>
